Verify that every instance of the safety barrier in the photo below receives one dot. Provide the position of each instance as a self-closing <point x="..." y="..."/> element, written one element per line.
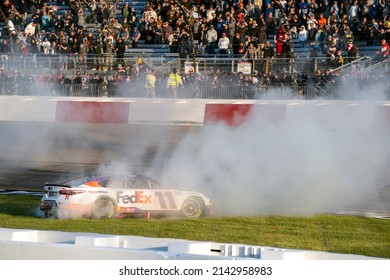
<point x="25" y="244"/>
<point x="198" y="112"/>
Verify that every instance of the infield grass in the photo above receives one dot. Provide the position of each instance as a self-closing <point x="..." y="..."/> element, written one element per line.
<point x="331" y="233"/>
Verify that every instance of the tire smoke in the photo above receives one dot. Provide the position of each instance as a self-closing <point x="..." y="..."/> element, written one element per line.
<point x="318" y="159"/>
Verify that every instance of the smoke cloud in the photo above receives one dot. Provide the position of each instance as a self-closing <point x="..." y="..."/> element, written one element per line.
<point x="319" y="160"/>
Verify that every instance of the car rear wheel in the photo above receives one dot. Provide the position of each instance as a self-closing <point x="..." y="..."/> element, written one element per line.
<point x="193" y="207"/>
<point x="103" y="208"/>
<point x="52" y="213"/>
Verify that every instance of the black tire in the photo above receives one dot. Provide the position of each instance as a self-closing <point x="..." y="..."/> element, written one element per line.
<point x="103" y="208"/>
<point x="52" y="213"/>
<point x="193" y="207"/>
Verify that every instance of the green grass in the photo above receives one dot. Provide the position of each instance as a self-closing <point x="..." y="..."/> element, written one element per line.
<point x="341" y="234"/>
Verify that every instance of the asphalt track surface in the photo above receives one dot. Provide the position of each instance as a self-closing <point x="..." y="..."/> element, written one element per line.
<point x="32" y="154"/>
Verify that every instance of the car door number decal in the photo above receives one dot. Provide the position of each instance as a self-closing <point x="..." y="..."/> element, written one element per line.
<point x="165" y="198"/>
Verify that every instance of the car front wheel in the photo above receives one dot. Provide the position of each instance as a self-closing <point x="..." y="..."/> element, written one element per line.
<point x="193" y="207"/>
<point x="103" y="208"/>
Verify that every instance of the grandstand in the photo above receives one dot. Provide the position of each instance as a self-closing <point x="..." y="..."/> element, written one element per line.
<point x="159" y="56"/>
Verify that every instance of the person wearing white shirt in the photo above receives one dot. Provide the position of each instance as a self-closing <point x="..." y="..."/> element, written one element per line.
<point x="302" y="36"/>
<point x="30" y="28"/>
<point x="353" y="10"/>
<point x="46" y="45"/>
<point x="223" y="44"/>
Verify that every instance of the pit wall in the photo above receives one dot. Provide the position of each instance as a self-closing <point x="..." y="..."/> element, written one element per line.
<point x="25" y="244"/>
<point x="198" y="112"/>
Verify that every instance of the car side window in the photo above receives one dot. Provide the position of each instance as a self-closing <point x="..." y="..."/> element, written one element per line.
<point x="114" y="182"/>
<point x="137" y="183"/>
<point x="153" y="184"/>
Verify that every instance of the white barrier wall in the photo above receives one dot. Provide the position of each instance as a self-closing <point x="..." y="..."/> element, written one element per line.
<point x="328" y="114"/>
<point x="25" y="244"/>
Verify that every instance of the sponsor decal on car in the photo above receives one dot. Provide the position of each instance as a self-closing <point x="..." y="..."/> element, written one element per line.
<point x="137" y="197"/>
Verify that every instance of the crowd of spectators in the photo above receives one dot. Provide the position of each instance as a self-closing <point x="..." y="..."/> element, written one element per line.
<point x="253" y="30"/>
<point x="212" y="84"/>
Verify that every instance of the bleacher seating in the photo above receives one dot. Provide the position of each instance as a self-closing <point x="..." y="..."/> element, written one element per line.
<point x="153" y="50"/>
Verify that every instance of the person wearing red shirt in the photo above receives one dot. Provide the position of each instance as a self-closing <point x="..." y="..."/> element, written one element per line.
<point x="384" y="52"/>
<point x="279" y="47"/>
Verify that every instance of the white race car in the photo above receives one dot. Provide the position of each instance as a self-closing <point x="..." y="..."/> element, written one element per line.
<point x="111" y="196"/>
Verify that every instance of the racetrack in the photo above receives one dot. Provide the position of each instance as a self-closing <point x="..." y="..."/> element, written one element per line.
<point x="32" y="154"/>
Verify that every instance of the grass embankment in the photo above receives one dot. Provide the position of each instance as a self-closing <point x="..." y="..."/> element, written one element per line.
<point x="341" y="234"/>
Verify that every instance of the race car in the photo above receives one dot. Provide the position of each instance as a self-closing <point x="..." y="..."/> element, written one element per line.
<point x="110" y="196"/>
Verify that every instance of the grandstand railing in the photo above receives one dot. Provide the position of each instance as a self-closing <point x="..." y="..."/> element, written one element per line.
<point x="237" y="90"/>
<point x="46" y="63"/>
<point x="354" y="65"/>
<point x="374" y="67"/>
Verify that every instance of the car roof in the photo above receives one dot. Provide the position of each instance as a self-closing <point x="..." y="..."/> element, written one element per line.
<point x="100" y="178"/>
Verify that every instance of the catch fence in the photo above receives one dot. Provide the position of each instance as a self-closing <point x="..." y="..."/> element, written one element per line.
<point x="136" y="89"/>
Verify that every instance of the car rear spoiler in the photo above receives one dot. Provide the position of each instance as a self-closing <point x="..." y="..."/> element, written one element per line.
<point x="57" y="185"/>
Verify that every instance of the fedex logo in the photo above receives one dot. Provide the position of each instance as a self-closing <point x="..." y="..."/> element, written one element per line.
<point x="137" y="197"/>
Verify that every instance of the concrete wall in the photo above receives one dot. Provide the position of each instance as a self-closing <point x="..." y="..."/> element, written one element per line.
<point x="329" y="114"/>
<point x="25" y="244"/>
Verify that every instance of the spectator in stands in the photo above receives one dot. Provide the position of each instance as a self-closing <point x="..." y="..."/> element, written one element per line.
<point x="98" y="59"/>
<point x="149" y="35"/>
<point x="211" y="39"/>
<point x="82" y="52"/>
<point x="303" y="9"/>
<point x="173" y="41"/>
<point x="95" y="82"/>
<point x="251" y="55"/>
<point x="126" y="10"/>
<point x="242" y="28"/>
<point x="135" y="37"/>
<point x="352" y="50"/>
<point x="109" y="50"/>
<point x="317" y="79"/>
<point x="280" y="47"/>
<point x="268" y="52"/>
<point x="302" y="36"/>
<point x="354" y="11"/>
<point x="120" y="49"/>
<point x="150" y="84"/>
<point x="59" y="24"/>
<point x="384" y="51"/>
<point x="223" y="44"/>
<point x="30" y="28"/>
<point x="231" y="24"/>
<point x="158" y="33"/>
<point x="236" y="43"/>
<point x="167" y="31"/>
<point x="63" y="52"/>
<point x="184" y="41"/>
<point x="77" y="82"/>
<point x="174" y="81"/>
<point x="46" y="46"/>
<point x="271" y="24"/>
<point x="80" y="18"/>
<point x="339" y="60"/>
